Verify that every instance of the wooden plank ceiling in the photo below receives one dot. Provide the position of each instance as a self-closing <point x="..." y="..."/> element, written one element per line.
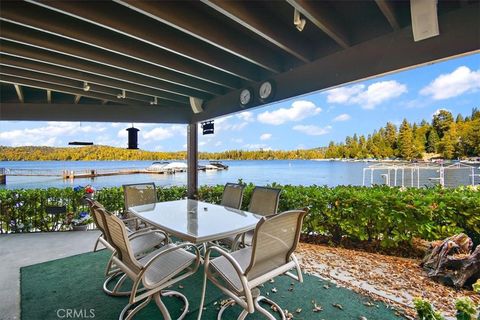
<point x="134" y="60"/>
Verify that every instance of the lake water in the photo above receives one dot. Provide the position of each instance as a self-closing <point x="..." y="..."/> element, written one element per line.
<point x="294" y="172"/>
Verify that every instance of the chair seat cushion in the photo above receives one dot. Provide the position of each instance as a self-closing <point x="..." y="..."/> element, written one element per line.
<point x="225" y="269"/>
<point x="166" y="266"/>
<point x="144" y="243"/>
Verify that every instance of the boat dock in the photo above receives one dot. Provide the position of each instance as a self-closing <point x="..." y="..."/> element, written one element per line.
<point x="84" y="173"/>
<point x="93" y="173"/>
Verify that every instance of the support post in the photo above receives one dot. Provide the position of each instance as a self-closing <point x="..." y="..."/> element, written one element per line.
<point x="192" y="160"/>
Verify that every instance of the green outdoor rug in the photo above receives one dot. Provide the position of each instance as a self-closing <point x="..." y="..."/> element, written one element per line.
<point x="50" y="289"/>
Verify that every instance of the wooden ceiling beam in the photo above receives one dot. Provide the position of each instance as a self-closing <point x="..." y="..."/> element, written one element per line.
<point x="49" y="69"/>
<point x="37" y="76"/>
<point x="388" y="11"/>
<point x="286" y="38"/>
<point x="67" y="27"/>
<point x="94" y="113"/>
<point x="14" y="32"/>
<point x="459" y="37"/>
<point x="321" y="18"/>
<point x="59" y="88"/>
<point x="134" y="25"/>
<point x="197" y="24"/>
<point x="19" y="91"/>
<point x="42" y="55"/>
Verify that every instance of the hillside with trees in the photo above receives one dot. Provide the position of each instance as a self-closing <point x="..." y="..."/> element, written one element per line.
<point x="444" y="136"/>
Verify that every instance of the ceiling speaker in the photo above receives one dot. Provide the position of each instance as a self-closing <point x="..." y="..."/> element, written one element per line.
<point x="196" y="104"/>
<point x="424" y="19"/>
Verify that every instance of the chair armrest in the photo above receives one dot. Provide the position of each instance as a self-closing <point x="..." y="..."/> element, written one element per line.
<point x="225" y="254"/>
<point x="143" y="232"/>
<point x="176" y="247"/>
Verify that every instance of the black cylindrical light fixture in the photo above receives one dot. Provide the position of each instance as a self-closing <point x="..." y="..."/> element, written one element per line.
<point x="132" y="138"/>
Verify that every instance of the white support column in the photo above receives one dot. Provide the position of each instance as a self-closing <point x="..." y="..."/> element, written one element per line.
<point x="192" y="160"/>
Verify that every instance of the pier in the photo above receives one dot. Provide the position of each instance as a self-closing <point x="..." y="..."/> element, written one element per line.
<point x="82" y="173"/>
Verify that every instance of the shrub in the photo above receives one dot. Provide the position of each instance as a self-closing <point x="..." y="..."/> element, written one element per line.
<point x="391" y="216"/>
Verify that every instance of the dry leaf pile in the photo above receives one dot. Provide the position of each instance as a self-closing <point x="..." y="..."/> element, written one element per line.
<point x="393" y="280"/>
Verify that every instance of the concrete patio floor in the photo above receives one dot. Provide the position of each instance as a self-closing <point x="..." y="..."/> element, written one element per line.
<point x="18" y="250"/>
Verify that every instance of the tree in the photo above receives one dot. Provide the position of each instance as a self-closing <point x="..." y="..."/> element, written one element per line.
<point x="449" y="143"/>
<point x="442" y="120"/>
<point x="405" y="142"/>
<point x="391" y="135"/>
<point x="432" y="141"/>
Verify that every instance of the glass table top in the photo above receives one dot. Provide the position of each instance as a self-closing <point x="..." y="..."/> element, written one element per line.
<point x="196" y="221"/>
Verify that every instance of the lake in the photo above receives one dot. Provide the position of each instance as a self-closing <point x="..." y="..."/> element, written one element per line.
<point x="258" y="172"/>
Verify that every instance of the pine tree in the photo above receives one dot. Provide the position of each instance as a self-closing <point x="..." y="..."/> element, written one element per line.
<point x="442" y="120"/>
<point x="405" y="143"/>
<point x="432" y="141"/>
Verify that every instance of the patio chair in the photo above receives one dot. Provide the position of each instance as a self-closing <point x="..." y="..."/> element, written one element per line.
<point x="137" y="194"/>
<point x="153" y="273"/>
<point x="232" y="195"/>
<point x="240" y="273"/>
<point x="264" y="201"/>
<point x="142" y="242"/>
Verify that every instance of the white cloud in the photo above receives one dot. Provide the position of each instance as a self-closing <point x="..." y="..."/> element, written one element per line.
<point x="342" y="117"/>
<point x="300" y="110"/>
<point x="265" y="136"/>
<point x="218" y="143"/>
<point x="163" y="133"/>
<point x="312" y="130"/>
<point x="449" y="85"/>
<point x="367" y="97"/>
<point x="344" y="94"/>
<point x="237" y="140"/>
<point x="49" y="134"/>
<point x="246" y="116"/>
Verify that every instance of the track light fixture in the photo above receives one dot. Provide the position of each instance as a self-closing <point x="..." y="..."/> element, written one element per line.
<point x="122" y="95"/>
<point x="298" y="21"/>
<point x="154" y="102"/>
<point x="86" y="86"/>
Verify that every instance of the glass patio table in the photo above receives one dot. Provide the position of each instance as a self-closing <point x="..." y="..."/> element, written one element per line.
<point x="196" y="221"/>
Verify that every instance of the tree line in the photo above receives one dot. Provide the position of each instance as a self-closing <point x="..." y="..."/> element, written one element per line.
<point x="444" y="136"/>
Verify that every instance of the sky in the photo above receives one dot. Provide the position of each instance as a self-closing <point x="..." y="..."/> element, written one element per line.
<point x="304" y="122"/>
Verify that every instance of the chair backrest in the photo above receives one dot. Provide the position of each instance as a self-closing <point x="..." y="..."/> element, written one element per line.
<point x="264" y="201"/>
<point x="232" y="195"/>
<point x="97" y="218"/>
<point x="120" y="242"/>
<point x="139" y="193"/>
<point x="275" y="239"/>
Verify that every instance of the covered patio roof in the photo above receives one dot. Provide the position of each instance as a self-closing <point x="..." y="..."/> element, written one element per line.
<point x="143" y="61"/>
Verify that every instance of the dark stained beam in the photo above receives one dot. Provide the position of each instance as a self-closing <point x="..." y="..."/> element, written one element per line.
<point x="61" y="45"/>
<point x="19" y="91"/>
<point x="390" y="53"/>
<point x="284" y="37"/>
<point x="59" y="88"/>
<point x="94" y="113"/>
<point x="26" y="64"/>
<point x="386" y="6"/>
<point x="37" y="76"/>
<point x="49" y="96"/>
<point x="321" y="18"/>
<point x="129" y="23"/>
<point x="196" y="24"/>
<point x="67" y="27"/>
<point x="41" y="55"/>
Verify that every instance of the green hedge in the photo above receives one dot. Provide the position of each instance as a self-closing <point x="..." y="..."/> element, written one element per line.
<point x="392" y="216"/>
